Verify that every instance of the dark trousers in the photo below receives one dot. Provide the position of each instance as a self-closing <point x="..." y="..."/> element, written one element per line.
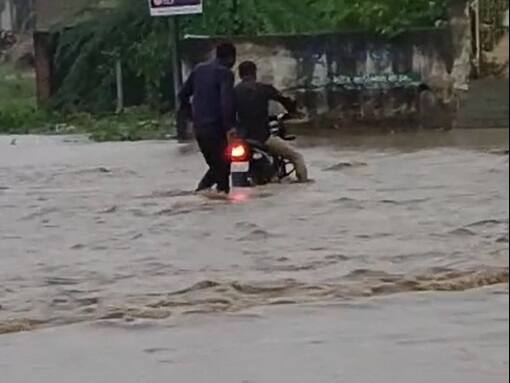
<point x="214" y="149"/>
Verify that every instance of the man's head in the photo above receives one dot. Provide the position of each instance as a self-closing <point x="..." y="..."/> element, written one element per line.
<point x="248" y="70"/>
<point x="226" y="53"/>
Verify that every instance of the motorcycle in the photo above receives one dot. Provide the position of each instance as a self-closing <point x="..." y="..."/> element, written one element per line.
<point x="251" y="162"/>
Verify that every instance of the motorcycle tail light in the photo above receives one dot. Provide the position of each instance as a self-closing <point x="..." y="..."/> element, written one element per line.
<point x="239" y="152"/>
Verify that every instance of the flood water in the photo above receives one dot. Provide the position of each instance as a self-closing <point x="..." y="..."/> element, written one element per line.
<point x="398" y="252"/>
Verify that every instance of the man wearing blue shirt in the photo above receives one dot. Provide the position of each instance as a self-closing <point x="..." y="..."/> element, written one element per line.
<point x="208" y="96"/>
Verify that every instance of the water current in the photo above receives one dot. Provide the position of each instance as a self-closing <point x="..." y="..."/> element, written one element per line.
<point x="110" y="232"/>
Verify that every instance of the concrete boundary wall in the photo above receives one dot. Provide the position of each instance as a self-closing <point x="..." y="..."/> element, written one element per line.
<point x="355" y="79"/>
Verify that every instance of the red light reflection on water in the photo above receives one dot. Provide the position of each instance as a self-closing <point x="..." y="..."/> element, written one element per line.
<point x="239" y="196"/>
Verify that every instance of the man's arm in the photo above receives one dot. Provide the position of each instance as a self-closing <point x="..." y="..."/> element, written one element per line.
<point x="288" y="103"/>
<point x="227" y="100"/>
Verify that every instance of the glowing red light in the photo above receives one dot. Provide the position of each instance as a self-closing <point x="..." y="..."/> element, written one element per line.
<point x="238" y="151"/>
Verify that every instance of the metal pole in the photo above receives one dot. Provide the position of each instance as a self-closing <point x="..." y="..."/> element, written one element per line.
<point x="176" y="59"/>
<point x="180" y="123"/>
<point x="478" y="36"/>
<point x="120" y="85"/>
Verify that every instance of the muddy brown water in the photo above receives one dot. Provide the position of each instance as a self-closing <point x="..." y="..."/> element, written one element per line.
<point x="109" y="233"/>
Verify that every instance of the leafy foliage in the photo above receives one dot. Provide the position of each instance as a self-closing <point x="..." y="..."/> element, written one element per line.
<point x="387" y="17"/>
<point x="251" y="17"/>
<point x="86" y="54"/>
<point x="89" y="51"/>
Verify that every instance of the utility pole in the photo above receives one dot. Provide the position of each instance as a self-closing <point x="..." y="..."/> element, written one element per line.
<point x="176" y="60"/>
<point x="120" y="84"/>
<point x="173" y="10"/>
<point x="478" y="43"/>
<point x="181" y="124"/>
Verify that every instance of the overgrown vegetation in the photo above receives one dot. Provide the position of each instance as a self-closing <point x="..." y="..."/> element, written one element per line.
<point x="18" y="109"/>
<point x="19" y="115"/>
<point x="137" y="123"/>
<point x="389" y="17"/>
<point x="86" y="53"/>
<point x="89" y="50"/>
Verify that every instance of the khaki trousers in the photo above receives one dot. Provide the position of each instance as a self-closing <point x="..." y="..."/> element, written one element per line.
<point x="278" y="146"/>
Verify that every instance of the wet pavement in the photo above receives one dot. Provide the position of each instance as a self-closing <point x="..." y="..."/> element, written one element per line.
<point x="396" y="232"/>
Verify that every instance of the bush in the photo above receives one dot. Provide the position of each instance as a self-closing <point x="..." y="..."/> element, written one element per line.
<point x="18" y="110"/>
<point x="22" y="118"/>
<point x="134" y="125"/>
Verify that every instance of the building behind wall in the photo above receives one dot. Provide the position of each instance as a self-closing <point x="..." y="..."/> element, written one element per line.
<point x="7" y="15"/>
<point x="17" y="15"/>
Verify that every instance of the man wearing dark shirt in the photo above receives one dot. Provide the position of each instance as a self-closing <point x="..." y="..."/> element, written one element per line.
<point x="252" y="106"/>
<point x="208" y="95"/>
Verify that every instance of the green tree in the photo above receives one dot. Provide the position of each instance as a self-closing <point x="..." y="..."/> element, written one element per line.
<point x="89" y="50"/>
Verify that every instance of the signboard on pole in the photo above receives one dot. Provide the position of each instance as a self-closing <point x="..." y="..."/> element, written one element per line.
<point x="175" y="7"/>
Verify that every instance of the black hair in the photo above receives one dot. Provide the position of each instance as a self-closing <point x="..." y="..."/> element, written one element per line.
<point x="225" y="51"/>
<point x="247" y="69"/>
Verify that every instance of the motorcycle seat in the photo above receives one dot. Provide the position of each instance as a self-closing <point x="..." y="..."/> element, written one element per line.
<point x="257" y="144"/>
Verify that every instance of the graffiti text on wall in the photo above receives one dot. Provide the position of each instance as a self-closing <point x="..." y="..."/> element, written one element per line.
<point x="379" y="81"/>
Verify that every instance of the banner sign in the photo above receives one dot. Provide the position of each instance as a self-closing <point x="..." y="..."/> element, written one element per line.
<point x="175" y="7"/>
